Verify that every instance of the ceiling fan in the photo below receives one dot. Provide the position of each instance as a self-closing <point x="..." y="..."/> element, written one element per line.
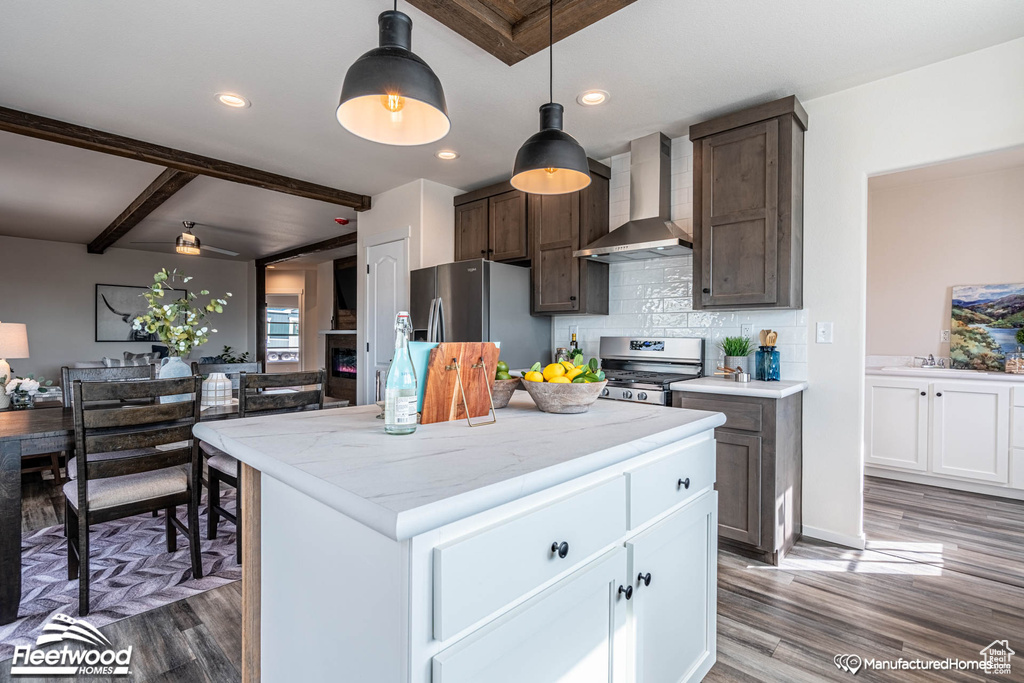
<point x="187" y="243"/>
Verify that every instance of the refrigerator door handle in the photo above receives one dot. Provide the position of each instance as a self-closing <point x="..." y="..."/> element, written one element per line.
<point x="439" y="320"/>
<point x="430" y="321"/>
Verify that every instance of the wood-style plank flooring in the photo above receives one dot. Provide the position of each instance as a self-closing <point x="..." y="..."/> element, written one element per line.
<point x="943" y="576"/>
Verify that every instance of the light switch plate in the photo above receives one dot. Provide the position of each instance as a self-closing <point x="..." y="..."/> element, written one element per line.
<point x="824" y="333"/>
<point x="747" y="330"/>
<point x="944" y="336"/>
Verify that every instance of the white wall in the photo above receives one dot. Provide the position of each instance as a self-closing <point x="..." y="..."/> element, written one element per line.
<point x="325" y="307"/>
<point x="51" y="286"/>
<point x="963" y="106"/>
<point x="655" y="297"/>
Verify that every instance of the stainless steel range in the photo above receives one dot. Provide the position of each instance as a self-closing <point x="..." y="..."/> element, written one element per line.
<point x="640" y="369"/>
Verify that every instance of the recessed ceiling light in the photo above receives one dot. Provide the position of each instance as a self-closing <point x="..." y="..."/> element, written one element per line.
<point x="447" y="155"/>
<point x="589" y="98"/>
<point x="229" y="99"/>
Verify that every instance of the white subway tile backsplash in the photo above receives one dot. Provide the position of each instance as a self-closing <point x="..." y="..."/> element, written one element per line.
<point x="654" y="297"/>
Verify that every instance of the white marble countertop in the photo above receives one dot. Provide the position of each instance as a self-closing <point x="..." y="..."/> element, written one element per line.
<point x="721" y="385"/>
<point x="402" y="486"/>
<point x="946" y="373"/>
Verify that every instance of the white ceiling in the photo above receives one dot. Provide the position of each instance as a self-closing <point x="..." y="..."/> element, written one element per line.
<point x="150" y="71"/>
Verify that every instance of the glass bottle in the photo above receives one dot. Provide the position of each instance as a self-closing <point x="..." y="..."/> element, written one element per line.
<point x="400" y="391"/>
<point x="767" y="366"/>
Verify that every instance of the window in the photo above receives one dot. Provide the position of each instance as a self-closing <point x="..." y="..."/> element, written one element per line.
<point x="282" y="334"/>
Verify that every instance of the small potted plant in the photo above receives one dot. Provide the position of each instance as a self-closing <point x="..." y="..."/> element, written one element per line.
<point x="1015" y="359"/>
<point x="736" y="350"/>
<point x="22" y="389"/>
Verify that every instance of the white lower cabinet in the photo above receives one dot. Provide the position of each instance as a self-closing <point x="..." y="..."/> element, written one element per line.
<point x="673" y="566"/>
<point x="573" y="632"/>
<point x="971" y="430"/>
<point x="896" y="423"/>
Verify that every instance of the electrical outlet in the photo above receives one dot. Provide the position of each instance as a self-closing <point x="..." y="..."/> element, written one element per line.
<point x="747" y="330"/>
<point x="944" y="336"/>
<point x="824" y="333"/>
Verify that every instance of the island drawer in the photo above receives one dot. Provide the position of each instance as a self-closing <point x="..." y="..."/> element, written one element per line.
<point x="670" y="480"/>
<point x="477" y="575"/>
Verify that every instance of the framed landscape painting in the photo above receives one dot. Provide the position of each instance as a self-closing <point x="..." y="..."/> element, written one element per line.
<point x="117" y="306"/>
<point x="986" y="320"/>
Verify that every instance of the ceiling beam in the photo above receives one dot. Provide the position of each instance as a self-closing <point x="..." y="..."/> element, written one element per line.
<point x="326" y="245"/>
<point x="158" y="192"/>
<point x="14" y="121"/>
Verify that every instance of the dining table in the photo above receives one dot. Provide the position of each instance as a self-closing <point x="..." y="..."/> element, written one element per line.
<point x="36" y="431"/>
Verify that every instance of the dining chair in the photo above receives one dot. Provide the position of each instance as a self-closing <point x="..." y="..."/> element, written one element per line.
<point x="253" y="400"/>
<point x="132" y="460"/>
<point x="129" y="372"/>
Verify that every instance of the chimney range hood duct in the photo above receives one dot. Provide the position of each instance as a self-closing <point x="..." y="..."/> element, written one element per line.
<point x="648" y="233"/>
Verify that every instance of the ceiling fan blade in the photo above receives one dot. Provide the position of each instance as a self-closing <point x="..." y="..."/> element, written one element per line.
<point x="164" y="242"/>
<point x="226" y="252"/>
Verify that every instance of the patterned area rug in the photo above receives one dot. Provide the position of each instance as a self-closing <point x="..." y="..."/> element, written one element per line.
<point x="132" y="572"/>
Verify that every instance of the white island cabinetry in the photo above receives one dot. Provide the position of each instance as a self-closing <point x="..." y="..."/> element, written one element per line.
<point x="512" y="553"/>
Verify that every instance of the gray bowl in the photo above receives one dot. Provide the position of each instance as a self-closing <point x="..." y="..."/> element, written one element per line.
<point x="564" y="398"/>
<point x="503" y="389"/>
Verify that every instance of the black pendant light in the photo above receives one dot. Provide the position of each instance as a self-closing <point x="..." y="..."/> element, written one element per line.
<point x="390" y="95"/>
<point x="551" y="161"/>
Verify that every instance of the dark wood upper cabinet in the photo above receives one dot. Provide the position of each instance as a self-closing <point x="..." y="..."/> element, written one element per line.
<point x="471" y="229"/>
<point x="748" y="208"/>
<point x="507" y="232"/>
<point x="501" y="223"/>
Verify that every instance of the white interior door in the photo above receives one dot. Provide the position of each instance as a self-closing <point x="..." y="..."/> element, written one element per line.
<point x="387" y="293"/>
<point x="971" y="430"/>
<point x="896" y="423"/>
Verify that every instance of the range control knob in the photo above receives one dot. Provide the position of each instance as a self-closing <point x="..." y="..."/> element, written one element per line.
<point x="642" y="396"/>
<point x="605" y="392"/>
<point x="627" y="394"/>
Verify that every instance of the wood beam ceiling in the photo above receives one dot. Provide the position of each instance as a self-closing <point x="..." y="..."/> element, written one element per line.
<point x="158" y="192"/>
<point x="74" y="135"/>
<point x="512" y="30"/>
<point x="326" y="245"/>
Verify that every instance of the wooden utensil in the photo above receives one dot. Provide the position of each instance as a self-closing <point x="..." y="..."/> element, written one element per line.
<point x="764" y="337"/>
<point x="772" y="338"/>
<point x="442" y="399"/>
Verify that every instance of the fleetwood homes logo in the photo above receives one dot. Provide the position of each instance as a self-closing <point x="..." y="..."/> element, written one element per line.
<point x="99" y="658"/>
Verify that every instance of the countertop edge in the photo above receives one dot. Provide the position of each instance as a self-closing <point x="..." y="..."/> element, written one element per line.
<point x="409" y="523"/>
<point x="739" y="388"/>
<point x="1004" y="377"/>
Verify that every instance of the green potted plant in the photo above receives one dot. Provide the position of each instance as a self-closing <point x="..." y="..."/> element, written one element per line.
<point x="179" y="323"/>
<point x="736" y="350"/>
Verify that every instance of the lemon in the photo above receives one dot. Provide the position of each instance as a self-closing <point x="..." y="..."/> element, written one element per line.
<point x="533" y="376"/>
<point x="571" y="374"/>
<point x="554" y="370"/>
<point x="567" y="365"/>
<point x="561" y="379"/>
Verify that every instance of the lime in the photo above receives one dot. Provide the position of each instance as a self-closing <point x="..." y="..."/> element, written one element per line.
<point x="502" y="366"/>
<point x="503" y="375"/>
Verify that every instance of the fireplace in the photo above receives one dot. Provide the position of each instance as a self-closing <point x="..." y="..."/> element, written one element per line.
<point x="341" y="366"/>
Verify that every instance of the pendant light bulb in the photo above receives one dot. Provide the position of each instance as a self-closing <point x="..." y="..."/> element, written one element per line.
<point x="390" y="95"/>
<point x="551" y="161"/>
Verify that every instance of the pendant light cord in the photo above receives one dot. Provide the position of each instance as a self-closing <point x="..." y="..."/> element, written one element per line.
<point x="551" y="50"/>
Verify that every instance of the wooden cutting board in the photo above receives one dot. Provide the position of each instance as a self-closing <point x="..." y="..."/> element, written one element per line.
<point x="442" y="400"/>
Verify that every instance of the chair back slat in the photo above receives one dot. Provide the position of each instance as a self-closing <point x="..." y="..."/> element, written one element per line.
<point x="98" y="418"/>
<point x="250" y="401"/>
<point x="118" y="440"/>
<point x="134" y="464"/>
<point x="117" y="391"/>
<point x="232" y="370"/>
<point x="130" y="372"/>
<point x="279" y="380"/>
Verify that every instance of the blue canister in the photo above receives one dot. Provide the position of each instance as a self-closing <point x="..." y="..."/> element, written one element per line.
<point x="767" y="365"/>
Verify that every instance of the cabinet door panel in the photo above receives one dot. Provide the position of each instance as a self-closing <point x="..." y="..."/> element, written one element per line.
<point x="738" y="467"/>
<point x="508" y="226"/>
<point x="739" y="222"/>
<point x="471" y="230"/>
<point x="971" y="431"/>
<point x="675" y="616"/>
<point x="556" y="273"/>
<point x="896" y="423"/>
<point x="574" y="631"/>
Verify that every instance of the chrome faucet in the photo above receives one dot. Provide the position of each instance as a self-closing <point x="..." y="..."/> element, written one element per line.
<point x="931" y="362"/>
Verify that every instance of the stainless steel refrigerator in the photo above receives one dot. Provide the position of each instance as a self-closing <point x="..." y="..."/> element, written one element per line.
<point x="480" y="300"/>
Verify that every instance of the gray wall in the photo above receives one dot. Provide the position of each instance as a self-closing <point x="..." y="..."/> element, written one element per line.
<point x="51" y="287"/>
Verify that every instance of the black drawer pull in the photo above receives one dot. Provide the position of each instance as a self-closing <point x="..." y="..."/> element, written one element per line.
<point x="706" y="290"/>
<point x="939" y="393"/>
<point x="628" y="590"/>
<point x="644" y="579"/>
<point x="561" y="549"/>
<point x="924" y="393"/>
<point x="683" y="483"/>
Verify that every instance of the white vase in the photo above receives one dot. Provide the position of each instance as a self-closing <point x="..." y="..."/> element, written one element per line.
<point x="216" y="390"/>
<point x="173" y="368"/>
<point x="5" y="377"/>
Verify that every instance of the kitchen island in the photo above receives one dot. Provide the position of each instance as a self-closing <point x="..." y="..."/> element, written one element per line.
<point x="542" y="547"/>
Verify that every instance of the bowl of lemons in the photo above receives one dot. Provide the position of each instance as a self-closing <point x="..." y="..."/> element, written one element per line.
<point x="504" y="385"/>
<point x="565" y="387"/>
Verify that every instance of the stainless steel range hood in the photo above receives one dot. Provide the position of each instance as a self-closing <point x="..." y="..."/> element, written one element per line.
<point x="648" y="233"/>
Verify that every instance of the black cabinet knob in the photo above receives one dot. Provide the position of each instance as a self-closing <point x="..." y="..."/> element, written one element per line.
<point x="683" y="483"/>
<point x="627" y="590"/>
<point x="572" y="298"/>
<point x="560" y="549"/>
<point x="706" y="290"/>
<point x="924" y="393"/>
<point x="644" y="579"/>
<point x="938" y="393"/>
<point x="483" y="252"/>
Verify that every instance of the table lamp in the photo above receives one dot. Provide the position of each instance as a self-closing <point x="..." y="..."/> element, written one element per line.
<point x="13" y="344"/>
